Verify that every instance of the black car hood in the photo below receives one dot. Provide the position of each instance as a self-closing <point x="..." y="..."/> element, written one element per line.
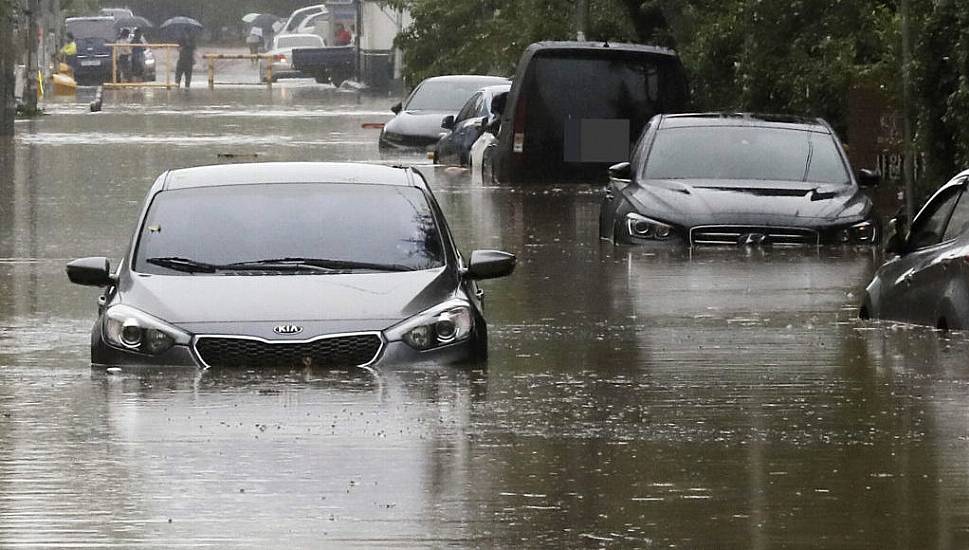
<point x="423" y="124"/>
<point x="778" y="203"/>
<point x="330" y="303"/>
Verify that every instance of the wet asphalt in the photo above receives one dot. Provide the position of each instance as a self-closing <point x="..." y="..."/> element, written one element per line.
<point x="633" y="399"/>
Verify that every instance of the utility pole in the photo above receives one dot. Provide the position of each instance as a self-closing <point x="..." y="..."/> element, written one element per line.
<point x="581" y="19"/>
<point x="8" y="107"/>
<point x="908" y="157"/>
<point x="30" y="46"/>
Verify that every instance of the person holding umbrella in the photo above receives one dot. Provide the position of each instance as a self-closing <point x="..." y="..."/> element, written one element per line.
<point x="186" y="60"/>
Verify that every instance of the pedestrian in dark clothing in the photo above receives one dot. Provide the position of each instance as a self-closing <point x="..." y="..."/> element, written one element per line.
<point x="124" y="56"/>
<point x="137" y="56"/>
<point x="186" y="61"/>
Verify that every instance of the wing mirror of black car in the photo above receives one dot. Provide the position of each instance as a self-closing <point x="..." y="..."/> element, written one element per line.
<point x="90" y="272"/>
<point x="490" y="264"/>
<point x="896" y="235"/>
<point x="397" y="108"/>
<point x="448" y="122"/>
<point x="622" y="172"/>
<point x="868" y="178"/>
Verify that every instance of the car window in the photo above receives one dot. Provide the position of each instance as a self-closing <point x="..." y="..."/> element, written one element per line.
<point x="470" y="108"/>
<point x="959" y="221"/>
<point x="744" y="153"/>
<point x="929" y="226"/>
<point x="446" y="95"/>
<point x="240" y="223"/>
<point x="481" y="106"/>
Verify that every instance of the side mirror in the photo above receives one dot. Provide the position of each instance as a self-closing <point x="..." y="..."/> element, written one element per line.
<point x="90" y="272"/>
<point x="490" y="264"/>
<point x="448" y="122"/>
<point x="895" y="235"/>
<point x="397" y="108"/>
<point x="481" y="122"/>
<point x="868" y="178"/>
<point x="621" y="172"/>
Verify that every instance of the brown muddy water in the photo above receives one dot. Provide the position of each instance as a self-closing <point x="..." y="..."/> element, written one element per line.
<point x="719" y="399"/>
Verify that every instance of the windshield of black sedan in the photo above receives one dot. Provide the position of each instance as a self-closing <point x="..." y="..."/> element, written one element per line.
<point x="350" y="223"/>
<point x="745" y="153"/>
<point x="446" y="95"/>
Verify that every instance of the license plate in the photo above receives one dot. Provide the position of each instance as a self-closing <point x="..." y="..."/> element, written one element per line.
<point x="92" y="63"/>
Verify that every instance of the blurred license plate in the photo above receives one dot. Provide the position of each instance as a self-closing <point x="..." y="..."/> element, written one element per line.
<point x="91" y="63"/>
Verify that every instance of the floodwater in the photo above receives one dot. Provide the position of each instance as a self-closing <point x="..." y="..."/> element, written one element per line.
<point x="719" y="399"/>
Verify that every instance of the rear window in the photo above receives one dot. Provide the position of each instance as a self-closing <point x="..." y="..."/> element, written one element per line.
<point x="446" y="95"/>
<point x="92" y="28"/>
<point x="378" y="224"/>
<point x="745" y="153"/>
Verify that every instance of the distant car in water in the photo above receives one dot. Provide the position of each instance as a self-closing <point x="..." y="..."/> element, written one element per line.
<point x="478" y="115"/>
<point x="290" y="265"/>
<point x="738" y="179"/>
<point x="282" y="55"/>
<point x="92" y="34"/>
<point x="926" y="277"/>
<point x="417" y="120"/>
<point x="575" y="108"/>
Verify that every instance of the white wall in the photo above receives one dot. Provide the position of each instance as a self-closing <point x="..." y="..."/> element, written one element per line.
<point x="380" y="26"/>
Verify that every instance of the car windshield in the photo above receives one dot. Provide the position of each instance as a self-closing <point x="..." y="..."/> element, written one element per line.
<point x="333" y="225"/>
<point x="299" y="41"/>
<point x="92" y="28"/>
<point x="446" y="95"/>
<point x="745" y="153"/>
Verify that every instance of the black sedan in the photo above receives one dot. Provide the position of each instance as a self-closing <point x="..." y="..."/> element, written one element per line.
<point x="926" y="278"/>
<point x="480" y="113"/>
<point x="737" y="179"/>
<point x="417" y="120"/>
<point x="284" y="265"/>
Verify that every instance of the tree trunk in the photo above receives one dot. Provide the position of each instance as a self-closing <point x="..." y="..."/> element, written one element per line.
<point x="8" y="106"/>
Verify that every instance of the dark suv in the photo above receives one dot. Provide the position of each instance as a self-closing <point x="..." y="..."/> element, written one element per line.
<point x="92" y="34"/>
<point x="577" y="107"/>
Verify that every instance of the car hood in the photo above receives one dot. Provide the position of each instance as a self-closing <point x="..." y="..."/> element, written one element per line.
<point x="425" y="124"/>
<point x="718" y="202"/>
<point x="323" y="303"/>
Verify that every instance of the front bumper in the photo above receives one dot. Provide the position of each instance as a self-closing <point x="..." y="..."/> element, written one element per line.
<point x="179" y="356"/>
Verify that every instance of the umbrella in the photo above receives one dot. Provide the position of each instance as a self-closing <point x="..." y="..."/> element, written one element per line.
<point x="131" y="22"/>
<point x="264" y="21"/>
<point x="177" y="25"/>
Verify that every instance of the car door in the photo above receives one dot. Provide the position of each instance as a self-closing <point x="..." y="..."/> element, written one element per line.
<point x="448" y="146"/>
<point x="467" y="128"/>
<point x="910" y="280"/>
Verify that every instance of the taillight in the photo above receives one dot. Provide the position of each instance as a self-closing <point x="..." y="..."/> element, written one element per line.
<point x="518" y="137"/>
<point x="280" y="58"/>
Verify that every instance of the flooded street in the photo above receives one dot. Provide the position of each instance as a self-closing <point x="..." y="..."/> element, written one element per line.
<point x="633" y="399"/>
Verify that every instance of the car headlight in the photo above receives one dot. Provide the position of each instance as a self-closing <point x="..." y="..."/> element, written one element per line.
<point x="441" y="325"/>
<point x="646" y="228"/>
<point x="864" y="232"/>
<point x="130" y="329"/>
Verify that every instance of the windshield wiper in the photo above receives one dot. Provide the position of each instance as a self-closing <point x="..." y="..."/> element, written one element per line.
<point x="187" y="265"/>
<point x="324" y="264"/>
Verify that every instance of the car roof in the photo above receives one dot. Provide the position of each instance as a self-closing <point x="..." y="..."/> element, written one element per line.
<point x="466" y="78"/>
<point x="288" y="172"/>
<point x="500" y="88"/>
<point x="791" y="122"/>
<point x="598" y="46"/>
<point x="90" y="18"/>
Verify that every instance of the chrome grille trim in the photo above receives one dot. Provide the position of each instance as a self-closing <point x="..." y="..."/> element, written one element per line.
<point x="281" y="342"/>
<point x="776" y="236"/>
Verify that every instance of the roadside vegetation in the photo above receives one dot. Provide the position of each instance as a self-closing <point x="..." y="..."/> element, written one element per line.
<point x="792" y="56"/>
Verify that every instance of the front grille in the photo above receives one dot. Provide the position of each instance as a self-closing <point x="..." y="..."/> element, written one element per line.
<point x="332" y="351"/>
<point x="741" y="235"/>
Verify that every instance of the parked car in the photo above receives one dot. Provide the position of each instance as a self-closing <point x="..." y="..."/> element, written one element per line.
<point x="287" y="265"/>
<point x="738" y="179"/>
<point x="333" y="64"/>
<point x="926" y="277"/>
<point x="575" y="108"/>
<point x="282" y="55"/>
<point x="480" y="113"/>
<point x="417" y="120"/>
<point x="92" y="34"/>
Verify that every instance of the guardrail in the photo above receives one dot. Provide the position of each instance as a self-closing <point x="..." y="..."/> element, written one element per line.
<point x="212" y="57"/>
<point x="168" y="66"/>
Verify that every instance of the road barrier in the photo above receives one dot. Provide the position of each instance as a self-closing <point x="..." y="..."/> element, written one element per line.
<point x="212" y="57"/>
<point x="168" y="66"/>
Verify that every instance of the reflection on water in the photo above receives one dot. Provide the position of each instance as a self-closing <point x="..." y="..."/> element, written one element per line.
<point x="633" y="398"/>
